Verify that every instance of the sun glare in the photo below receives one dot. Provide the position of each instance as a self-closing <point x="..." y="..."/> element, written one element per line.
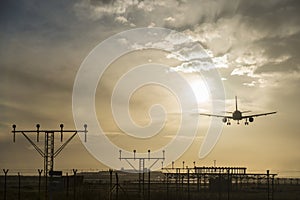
<point x="200" y="90"/>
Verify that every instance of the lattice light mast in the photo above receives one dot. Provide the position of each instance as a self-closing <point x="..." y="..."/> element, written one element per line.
<point x="130" y="160"/>
<point x="49" y="152"/>
<point x="142" y="160"/>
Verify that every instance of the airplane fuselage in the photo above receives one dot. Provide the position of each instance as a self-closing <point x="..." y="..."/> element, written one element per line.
<point x="237" y="115"/>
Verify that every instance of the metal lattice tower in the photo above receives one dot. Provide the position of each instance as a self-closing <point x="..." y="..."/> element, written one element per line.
<point x="49" y="152"/>
<point x="141" y="160"/>
<point x="141" y="169"/>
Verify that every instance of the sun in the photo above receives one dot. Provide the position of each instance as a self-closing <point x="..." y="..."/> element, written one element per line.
<point x="200" y="89"/>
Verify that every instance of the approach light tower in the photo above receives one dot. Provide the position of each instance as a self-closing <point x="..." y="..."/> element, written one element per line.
<point x="49" y="153"/>
<point x="142" y="160"/>
<point x="141" y="169"/>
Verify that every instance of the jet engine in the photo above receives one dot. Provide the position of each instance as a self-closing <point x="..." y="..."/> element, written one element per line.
<point x="224" y="119"/>
<point x="251" y="119"/>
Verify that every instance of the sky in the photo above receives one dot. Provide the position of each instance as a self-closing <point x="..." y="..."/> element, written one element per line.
<point x="254" y="46"/>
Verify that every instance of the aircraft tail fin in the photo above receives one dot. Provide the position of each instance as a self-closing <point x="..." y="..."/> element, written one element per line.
<point x="236" y="106"/>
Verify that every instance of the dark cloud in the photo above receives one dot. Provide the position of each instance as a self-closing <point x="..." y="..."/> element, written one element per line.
<point x="259" y="9"/>
<point x="46" y="20"/>
<point x="276" y="47"/>
<point x="283" y="50"/>
<point x="288" y="66"/>
<point x="101" y="2"/>
<point x="277" y="19"/>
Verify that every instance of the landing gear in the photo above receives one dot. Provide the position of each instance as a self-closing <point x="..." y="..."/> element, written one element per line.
<point x="246" y="122"/>
<point x="228" y="122"/>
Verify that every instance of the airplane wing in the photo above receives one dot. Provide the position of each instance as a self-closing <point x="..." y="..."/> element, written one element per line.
<point x="213" y="115"/>
<point x="257" y="115"/>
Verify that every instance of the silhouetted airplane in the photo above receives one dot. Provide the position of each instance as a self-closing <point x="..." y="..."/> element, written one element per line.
<point x="237" y="115"/>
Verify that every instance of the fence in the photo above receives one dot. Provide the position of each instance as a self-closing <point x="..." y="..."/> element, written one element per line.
<point x="119" y="185"/>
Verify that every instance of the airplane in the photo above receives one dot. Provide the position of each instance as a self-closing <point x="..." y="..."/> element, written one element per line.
<point x="237" y="115"/>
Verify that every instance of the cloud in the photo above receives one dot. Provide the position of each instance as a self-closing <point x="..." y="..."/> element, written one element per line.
<point x="124" y="21"/>
<point x="121" y="19"/>
<point x="96" y="10"/>
<point x="244" y="70"/>
<point x="188" y="13"/>
<point x="239" y="34"/>
<point x="170" y="19"/>
<point x="101" y="2"/>
<point x="255" y="37"/>
<point x="194" y="66"/>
